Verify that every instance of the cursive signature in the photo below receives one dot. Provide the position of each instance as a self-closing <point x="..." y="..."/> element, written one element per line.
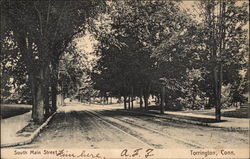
<point x="89" y="155"/>
<point x="84" y="154"/>
<point x="139" y="152"/>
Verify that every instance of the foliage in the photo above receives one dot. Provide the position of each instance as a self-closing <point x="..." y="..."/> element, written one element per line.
<point x="145" y="41"/>
<point x="234" y="55"/>
<point x="142" y="47"/>
<point x="42" y="31"/>
<point x="14" y="87"/>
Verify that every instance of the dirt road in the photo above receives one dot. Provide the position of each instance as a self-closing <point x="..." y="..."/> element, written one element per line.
<point x="92" y="126"/>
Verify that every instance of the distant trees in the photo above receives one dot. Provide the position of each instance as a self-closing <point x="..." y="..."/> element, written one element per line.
<point x="147" y="45"/>
<point x="73" y="71"/>
<point x="130" y="64"/>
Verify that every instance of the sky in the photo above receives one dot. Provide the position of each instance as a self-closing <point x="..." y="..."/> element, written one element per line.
<point x="85" y="45"/>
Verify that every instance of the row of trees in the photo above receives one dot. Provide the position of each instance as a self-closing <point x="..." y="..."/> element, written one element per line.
<point x="159" y="48"/>
<point x="34" y="35"/>
<point x="145" y="48"/>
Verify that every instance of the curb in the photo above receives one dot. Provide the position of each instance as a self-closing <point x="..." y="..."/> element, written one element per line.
<point x="189" y="121"/>
<point x="173" y="118"/>
<point x="31" y="137"/>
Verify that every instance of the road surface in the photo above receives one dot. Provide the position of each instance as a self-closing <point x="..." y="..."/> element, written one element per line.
<point x="92" y="126"/>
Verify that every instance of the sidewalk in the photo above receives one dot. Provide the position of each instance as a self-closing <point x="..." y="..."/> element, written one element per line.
<point x="227" y="122"/>
<point x="10" y="127"/>
<point x="199" y="118"/>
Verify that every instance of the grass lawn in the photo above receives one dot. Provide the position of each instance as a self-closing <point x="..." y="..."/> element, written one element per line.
<point x="9" y="110"/>
<point x="231" y="112"/>
<point x="236" y="114"/>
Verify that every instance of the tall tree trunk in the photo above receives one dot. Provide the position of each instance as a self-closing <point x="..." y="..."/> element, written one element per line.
<point x="212" y="22"/>
<point x="146" y="96"/>
<point x="141" y="101"/>
<point x="33" y="92"/>
<point x="38" y="115"/>
<point x="158" y="97"/>
<point x="217" y="103"/>
<point x="62" y="94"/>
<point x="107" y="99"/>
<point x="221" y="50"/>
<point x="124" y="101"/>
<point x="132" y="102"/>
<point x="25" y="45"/>
<point x="193" y="98"/>
<point x="163" y="95"/>
<point x="129" y="99"/>
<point x="46" y="91"/>
<point x="40" y="104"/>
<point x="89" y="100"/>
<point x="132" y="97"/>
<point x="54" y="95"/>
<point x="146" y="101"/>
<point x="166" y="102"/>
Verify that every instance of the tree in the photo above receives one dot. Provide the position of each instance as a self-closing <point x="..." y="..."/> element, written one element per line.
<point x="224" y="23"/>
<point x="13" y="74"/>
<point x="136" y="38"/>
<point x="42" y="31"/>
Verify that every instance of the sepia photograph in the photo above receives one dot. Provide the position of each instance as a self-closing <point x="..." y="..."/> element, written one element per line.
<point x="125" y="79"/>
